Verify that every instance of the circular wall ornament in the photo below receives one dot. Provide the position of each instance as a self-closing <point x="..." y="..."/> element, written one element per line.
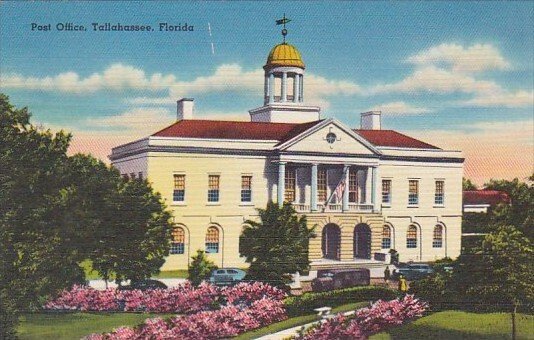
<point x="331" y="138"/>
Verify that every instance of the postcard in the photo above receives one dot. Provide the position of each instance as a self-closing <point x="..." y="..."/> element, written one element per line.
<point x="273" y="170"/>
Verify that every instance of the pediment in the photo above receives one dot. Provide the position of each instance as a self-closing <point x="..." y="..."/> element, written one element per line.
<point x="331" y="136"/>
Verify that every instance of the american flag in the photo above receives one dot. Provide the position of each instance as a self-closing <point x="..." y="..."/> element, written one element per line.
<point x="339" y="190"/>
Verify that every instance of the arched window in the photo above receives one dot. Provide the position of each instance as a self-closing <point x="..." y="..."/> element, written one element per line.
<point x="178" y="240"/>
<point x="212" y="240"/>
<point x="437" y="239"/>
<point x="411" y="237"/>
<point x="386" y="237"/>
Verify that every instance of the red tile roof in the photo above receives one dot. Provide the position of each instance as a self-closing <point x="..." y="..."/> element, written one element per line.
<point x="281" y="132"/>
<point x="218" y="129"/>
<point x="393" y="139"/>
<point x="491" y="197"/>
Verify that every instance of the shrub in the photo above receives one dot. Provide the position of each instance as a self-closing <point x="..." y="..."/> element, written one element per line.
<point x="200" y="268"/>
<point x="306" y="303"/>
<point x="367" y="321"/>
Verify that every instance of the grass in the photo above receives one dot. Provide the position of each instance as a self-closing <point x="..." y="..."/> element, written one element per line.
<point x="296" y="321"/>
<point x="91" y="274"/>
<point x="462" y="325"/>
<point x="67" y="326"/>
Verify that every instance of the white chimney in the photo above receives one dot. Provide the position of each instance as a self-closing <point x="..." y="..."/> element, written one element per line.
<point x="185" y="108"/>
<point x="371" y="120"/>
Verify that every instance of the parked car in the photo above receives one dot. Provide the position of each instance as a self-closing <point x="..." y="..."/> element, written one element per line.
<point x="227" y="276"/>
<point x="340" y="278"/>
<point x="144" y="285"/>
<point x="413" y="271"/>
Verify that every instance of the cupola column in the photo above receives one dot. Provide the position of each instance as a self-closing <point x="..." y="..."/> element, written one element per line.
<point x="284" y="87"/>
<point x="301" y="83"/>
<point x="271" y="87"/>
<point x="296" y="88"/>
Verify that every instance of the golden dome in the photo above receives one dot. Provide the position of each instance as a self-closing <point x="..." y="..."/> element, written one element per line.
<point x="284" y="55"/>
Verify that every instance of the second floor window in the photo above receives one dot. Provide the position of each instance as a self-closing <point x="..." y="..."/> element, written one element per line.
<point x="413" y="196"/>
<point x="246" y="188"/>
<point x="321" y="185"/>
<point x="290" y="184"/>
<point x="213" y="188"/>
<point x="386" y="191"/>
<point x="353" y="186"/>
<point x="439" y="196"/>
<point x="178" y="194"/>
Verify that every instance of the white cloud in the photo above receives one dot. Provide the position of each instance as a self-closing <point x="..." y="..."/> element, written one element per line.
<point x="437" y="80"/>
<point x="475" y="58"/>
<point x="505" y="99"/>
<point x="138" y="120"/>
<point x="399" y="108"/>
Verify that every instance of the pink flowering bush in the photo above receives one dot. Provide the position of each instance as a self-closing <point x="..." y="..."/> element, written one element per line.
<point x="223" y="323"/>
<point x="367" y="321"/>
<point x="184" y="299"/>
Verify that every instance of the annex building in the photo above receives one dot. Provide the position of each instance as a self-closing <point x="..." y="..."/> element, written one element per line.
<point x="366" y="190"/>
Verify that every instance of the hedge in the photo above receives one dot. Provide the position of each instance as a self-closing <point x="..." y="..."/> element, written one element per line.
<point x="307" y="302"/>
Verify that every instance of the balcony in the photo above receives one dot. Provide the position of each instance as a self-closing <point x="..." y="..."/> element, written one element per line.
<point x="334" y="207"/>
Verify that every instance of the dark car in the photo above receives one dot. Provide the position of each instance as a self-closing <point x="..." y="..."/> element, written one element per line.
<point x="413" y="271"/>
<point x="227" y="276"/>
<point x="340" y="278"/>
<point x="144" y="285"/>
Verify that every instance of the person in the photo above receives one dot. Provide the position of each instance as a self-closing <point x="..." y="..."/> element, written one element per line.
<point x="387" y="274"/>
<point x="403" y="286"/>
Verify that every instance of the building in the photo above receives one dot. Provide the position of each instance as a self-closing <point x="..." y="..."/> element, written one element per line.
<point x="393" y="191"/>
<point x="481" y="201"/>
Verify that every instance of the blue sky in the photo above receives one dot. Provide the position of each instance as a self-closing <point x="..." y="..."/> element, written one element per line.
<point x="457" y="73"/>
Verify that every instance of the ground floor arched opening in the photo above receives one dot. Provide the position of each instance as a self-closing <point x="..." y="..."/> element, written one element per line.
<point x="362" y="241"/>
<point x="331" y="242"/>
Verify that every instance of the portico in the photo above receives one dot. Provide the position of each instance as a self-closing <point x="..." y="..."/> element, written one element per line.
<point x="311" y="185"/>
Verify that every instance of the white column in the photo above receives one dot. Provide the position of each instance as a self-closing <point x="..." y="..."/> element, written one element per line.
<point x="313" y="199"/>
<point x="346" y="170"/>
<point x="284" y="87"/>
<point x="374" y="188"/>
<point x="301" y="87"/>
<point x="281" y="182"/>
<point x="296" y="88"/>
<point x="266" y="90"/>
<point x="271" y="88"/>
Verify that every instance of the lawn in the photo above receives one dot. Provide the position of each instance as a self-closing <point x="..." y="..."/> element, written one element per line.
<point x="462" y="325"/>
<point x="90" y="274"/>
<point x="63" y="326"/>
<point x="296" y="321"/>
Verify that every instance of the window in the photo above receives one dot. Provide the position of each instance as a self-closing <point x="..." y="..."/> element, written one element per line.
<point x="178" y="194"/>
<point x="213" y="188"/>
<point x="212" y="240"/>
<point x="321" y="185"/>
<point x="125" y="177"/>
<point x="140" y="175"/>
<point x="437" y="239"/>
<point x="132" y="175"/>
<point x="353" y="186"/>
<point x="440" y="194"/>
<point x="411" y="237"/>
<point x="178" y="241"/>
<point x="386" y="237"/>
<point x="246" y="188"/>
<point x="413" y="196"/>
<point x="386" y="191"/>
<point x="290" y="185"/>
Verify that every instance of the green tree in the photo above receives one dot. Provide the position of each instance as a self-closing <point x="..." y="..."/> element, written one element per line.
<point x="468" y="185"/>
<point x="277" y="246"/>
<point x="200" y="268"/>
<point x="500" y="275"/>
<point x="56" y="211"/>
<point x="520" y="212"/>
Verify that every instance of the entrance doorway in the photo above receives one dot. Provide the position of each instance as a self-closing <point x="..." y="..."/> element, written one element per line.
<point x="362" y="241"/>
<point x="331" y="242"/>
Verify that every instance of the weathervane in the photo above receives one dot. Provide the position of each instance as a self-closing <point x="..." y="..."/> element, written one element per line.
<point x="283" y="21"/>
